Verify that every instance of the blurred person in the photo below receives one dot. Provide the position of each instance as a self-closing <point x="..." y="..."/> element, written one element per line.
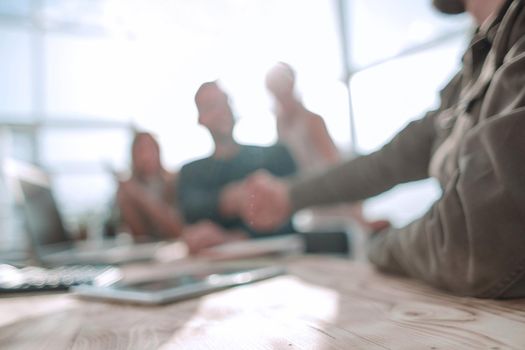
<point x="307" y="137"/>
<point x="210" y="189"/>
<point x="145" y="200"/>
<point x="302" y="131"/>
<point x="471" y="241"/>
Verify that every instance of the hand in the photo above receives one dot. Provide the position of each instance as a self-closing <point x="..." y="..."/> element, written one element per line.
<point x="231" y="198"/>
<point x="203" y="235"/>
<point x="266" y="205"/>
<point x="377" y="225"/>
<point x="356" y="212"/>
<point x="130" y="190"/>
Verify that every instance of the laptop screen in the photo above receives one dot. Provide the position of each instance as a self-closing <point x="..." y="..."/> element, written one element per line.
<point x="41" y="215"/>
<point x="30" y="187"/>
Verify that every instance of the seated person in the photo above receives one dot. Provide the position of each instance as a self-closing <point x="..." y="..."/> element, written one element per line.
<point x="471" y="241"/>
<point x="145" y="200"/>
<point x="209" y="189"/>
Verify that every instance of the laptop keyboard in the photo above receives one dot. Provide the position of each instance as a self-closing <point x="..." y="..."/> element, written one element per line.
<point x="33" y="279"/>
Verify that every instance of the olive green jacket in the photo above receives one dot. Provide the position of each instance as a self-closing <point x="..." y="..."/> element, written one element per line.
<point x="472" y="240"/>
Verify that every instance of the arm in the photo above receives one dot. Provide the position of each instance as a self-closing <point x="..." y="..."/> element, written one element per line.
<point x="403" y="159"/>
<point x="270" y="201"/>
<point x="322" y="140"/>
<point x="131" y="217"/>
<point x="136" y="202"/>
<point x="472" y="240"/>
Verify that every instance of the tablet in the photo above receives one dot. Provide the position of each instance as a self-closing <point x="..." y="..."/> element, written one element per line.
<point x="179" y="287"/>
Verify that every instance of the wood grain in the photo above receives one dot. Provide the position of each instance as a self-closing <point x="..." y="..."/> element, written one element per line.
<point x="323" y="303"/>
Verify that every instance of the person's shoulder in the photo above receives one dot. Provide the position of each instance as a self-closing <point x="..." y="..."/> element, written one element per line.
<point x="270" y="151"/>
<point x="169" y="175"/>
<point x="279" y="151"/>
<point x="254" y="149"/>
<point x="279" y="147"/>
<point x="195" y="165"/>
<point x="259" y="148"/>
<point x="315" y="125"/>
<point x="513" y="27"/>
<point x="314" y="119"/>
<point x="249" y="148"/>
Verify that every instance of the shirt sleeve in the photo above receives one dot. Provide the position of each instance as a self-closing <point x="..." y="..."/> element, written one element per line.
<point x="472" y="240"/>
<point x="403" y="159"/>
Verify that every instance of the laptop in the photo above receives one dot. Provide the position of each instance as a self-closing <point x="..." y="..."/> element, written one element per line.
<point x="50" y="244"/>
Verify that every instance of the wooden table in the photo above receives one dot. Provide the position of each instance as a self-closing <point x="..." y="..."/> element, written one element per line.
<point x="323" y="303"/>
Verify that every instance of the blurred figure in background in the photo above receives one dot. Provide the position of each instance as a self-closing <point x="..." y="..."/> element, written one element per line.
<point x="145" y="200"/>
<point x="210" y="189"/>
<point x="302" y="131"/>
<point x="307" y="137"/>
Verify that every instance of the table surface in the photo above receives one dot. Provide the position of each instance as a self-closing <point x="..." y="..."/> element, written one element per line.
<point x="323" y="303"/>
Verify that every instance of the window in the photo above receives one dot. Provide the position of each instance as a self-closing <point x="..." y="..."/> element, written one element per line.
<point x="401" y="54"/>
<point x="15" y="85"/>
<point x="83" y="73"/>
<point x="78" y="75"/>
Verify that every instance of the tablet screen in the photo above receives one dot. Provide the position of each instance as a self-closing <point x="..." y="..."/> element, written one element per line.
<point x="179" y="286"/>
<point x="181" y="280"/>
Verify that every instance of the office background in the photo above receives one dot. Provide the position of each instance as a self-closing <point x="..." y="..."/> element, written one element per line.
<point x="77" y="76"/>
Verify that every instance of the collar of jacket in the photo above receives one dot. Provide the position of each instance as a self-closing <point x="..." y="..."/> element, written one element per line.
<point x="482" y="41"/>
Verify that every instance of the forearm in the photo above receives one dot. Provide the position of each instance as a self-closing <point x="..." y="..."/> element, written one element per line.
<point x="403" y="159"/>
<point x="161" y="214"/>
<point x="165" y="217"/>
<point x="130" y="215"/>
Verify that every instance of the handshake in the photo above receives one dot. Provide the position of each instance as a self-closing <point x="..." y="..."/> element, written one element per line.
<point x="262" y="201"/>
